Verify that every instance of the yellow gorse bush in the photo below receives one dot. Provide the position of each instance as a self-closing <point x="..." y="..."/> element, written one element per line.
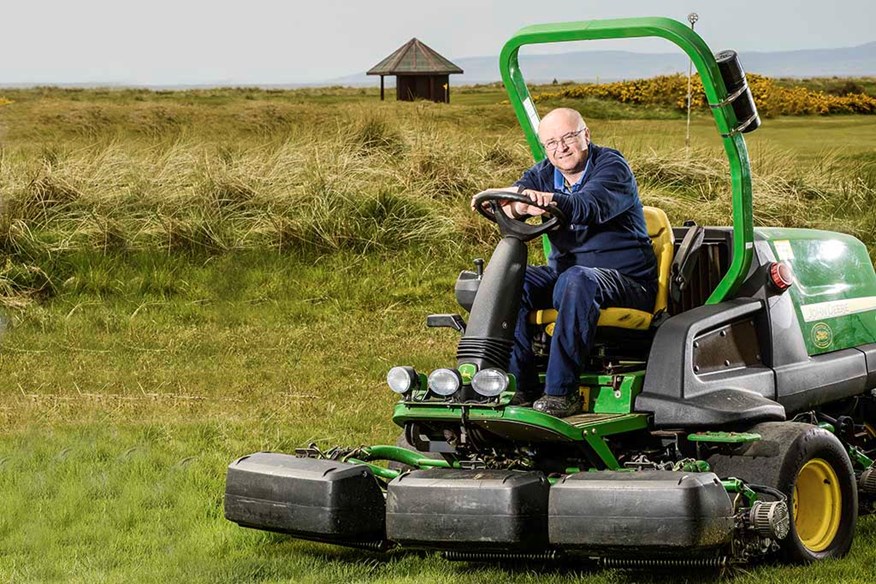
<point x="771" y="98"/>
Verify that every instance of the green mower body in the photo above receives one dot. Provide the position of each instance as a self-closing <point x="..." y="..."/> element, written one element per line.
<point x="739" y="423"/>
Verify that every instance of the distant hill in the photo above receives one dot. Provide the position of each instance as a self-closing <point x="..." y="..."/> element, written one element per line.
<point x="857" y="61"/>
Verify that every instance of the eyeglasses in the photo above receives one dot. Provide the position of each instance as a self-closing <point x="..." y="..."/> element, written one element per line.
<point x="567" y="140"/>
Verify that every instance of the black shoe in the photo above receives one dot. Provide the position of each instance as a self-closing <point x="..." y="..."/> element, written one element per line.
<point x="560" y="406"/>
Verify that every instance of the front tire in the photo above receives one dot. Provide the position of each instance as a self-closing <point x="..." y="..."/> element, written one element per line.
<point x="810" y="465"/>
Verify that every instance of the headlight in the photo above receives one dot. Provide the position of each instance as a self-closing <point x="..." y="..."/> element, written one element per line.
<point x="402" y="379"/>
<point x="490" y="382"/>
<point x="445" y="381"/>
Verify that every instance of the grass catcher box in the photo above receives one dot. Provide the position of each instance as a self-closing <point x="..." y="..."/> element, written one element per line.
<point x="322" y="500"/>
<point x="455" y="509"/>
<point x="657" y="510"/>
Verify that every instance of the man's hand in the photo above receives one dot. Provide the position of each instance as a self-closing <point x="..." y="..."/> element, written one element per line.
<point x="537" y="197"/>
<point x="507" y="206"/>
<point x="516" y="210"/>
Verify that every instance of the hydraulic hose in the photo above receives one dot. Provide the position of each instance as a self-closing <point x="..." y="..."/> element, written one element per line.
<point x="400" y="455"/>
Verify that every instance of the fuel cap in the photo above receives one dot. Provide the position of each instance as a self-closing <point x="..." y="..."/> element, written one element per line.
<point x="780" y="276"/>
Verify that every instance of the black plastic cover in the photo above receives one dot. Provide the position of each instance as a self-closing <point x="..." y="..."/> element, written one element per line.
<point x="734" y="80"/>
<point x="456" y="509"/>
<point x="783" y="342"/>
<point x="489" y="334"/>
<point x="822" y="379"/>
<point x="679" y="396"/>
<point x="640" y="512"/>
<point x="466" y="288"/>
<point x="315" y="499"/>
<point x="685" y="261"/>
<point x="870" y="356"/>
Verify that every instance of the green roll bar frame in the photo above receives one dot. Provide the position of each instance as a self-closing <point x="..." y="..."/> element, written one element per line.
<point x="716" y="94"/>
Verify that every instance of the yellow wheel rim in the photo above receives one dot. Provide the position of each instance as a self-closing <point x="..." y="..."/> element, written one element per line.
<point x="817" y="505"/>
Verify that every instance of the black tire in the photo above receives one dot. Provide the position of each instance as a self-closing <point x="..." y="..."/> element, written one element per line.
<point x="811" y="466"/>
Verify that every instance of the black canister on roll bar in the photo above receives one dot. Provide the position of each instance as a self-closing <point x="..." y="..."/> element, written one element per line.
<point x="738" y="92"/>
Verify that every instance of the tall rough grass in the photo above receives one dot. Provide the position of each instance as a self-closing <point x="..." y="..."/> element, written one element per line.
<point x="830" y="194"/>
<point x="159" y="177"/>
<point x="369" y="184"/>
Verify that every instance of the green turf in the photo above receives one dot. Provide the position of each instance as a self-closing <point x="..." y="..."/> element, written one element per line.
<point x="159" y="324"/>
<point x="102" y="502"/>
<point x="121" y="414"/>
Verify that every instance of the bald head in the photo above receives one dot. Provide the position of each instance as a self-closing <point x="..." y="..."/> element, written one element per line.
<point x="563" y="117"/>
<point x="566" y="140"/>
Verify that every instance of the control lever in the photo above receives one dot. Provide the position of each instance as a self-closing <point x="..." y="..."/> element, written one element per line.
<point x="453" y="321"/>
<point x="479" y="267"/>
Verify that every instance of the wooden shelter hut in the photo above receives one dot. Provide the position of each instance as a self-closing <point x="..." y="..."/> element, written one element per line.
<point x="420" y="73"/>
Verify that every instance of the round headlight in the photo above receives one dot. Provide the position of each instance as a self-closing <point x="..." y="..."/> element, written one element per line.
<point x="445" y="381"/>
<point x="490" y="382"/>
<point x="402" y="379"/>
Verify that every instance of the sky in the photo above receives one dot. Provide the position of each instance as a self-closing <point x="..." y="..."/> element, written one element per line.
<point x="266" y="42"/>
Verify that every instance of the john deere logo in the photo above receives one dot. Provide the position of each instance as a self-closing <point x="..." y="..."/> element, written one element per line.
<point x="467" y="371"/>
<point x="822" y="336"/>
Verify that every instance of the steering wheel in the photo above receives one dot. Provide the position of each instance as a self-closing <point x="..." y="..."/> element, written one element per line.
<point x="515" y="227"/>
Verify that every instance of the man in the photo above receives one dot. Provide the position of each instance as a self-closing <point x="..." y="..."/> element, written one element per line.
<point x="602" y="258"/>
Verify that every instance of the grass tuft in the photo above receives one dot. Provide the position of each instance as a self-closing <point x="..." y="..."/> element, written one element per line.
<point x="374" y="133"/>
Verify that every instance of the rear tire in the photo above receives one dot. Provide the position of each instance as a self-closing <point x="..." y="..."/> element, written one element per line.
<point x="811" y="466"/>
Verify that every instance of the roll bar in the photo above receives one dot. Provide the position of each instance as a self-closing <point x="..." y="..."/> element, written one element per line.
<point x="716" y="94"/>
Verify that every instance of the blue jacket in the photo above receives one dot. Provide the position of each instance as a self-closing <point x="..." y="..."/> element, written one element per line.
<point x="607" y="224"/>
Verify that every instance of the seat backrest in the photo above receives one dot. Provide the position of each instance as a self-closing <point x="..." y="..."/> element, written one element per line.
<point x="663" y="242"/>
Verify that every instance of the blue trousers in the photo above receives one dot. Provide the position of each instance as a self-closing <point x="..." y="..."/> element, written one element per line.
<point x="578" y="293"/>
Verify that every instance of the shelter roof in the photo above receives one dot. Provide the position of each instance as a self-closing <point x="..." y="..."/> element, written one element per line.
<point x="414" y="58"/>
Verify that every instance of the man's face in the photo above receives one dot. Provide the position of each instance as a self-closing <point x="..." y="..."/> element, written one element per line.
<point x="565" y="142"/>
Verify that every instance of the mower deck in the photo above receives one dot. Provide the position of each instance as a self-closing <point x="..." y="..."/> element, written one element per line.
<point x="607" y="513"/>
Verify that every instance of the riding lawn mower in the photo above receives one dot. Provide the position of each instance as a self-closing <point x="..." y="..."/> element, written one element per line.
<point x="735" y="421"/>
